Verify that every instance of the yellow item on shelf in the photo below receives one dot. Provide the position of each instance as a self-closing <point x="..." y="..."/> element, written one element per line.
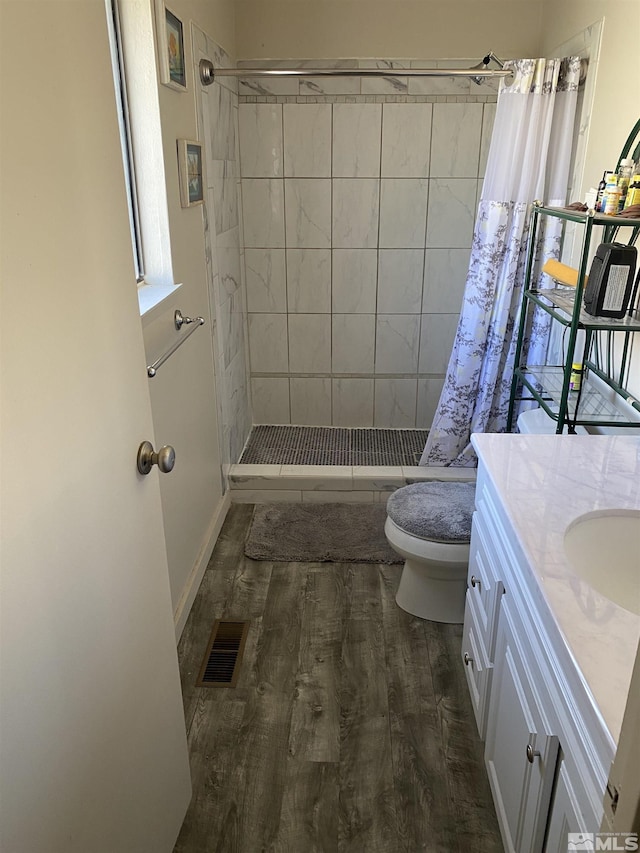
<point x="575" y="380"/>
<point x="562" y="273"/>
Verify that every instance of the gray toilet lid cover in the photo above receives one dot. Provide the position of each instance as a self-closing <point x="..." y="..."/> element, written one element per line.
<point x="438" y="511"/>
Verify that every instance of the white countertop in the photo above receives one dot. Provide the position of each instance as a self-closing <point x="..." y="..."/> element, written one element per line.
<point x="545" y="482"/>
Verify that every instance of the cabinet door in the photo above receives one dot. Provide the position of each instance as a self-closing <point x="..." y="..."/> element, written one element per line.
<point x="565" y="815"/>
<point x="521" y="751"/>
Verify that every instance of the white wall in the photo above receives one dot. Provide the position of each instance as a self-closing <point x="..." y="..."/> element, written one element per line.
<point x="322" y="29"/>
<point x="616" y="105"/>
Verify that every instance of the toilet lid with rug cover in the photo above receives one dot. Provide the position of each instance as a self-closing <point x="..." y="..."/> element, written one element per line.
<point x="441" y="512"/>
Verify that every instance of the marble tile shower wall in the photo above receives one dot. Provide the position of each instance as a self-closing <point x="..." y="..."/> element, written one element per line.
<point x="359" y="197"/>
<point x="218" y="128"/>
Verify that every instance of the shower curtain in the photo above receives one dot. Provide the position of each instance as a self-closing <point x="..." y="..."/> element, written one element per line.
<point x="529" y="159"/>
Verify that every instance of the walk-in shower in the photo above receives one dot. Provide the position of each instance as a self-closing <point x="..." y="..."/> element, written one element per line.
<point x="339" y="217"/>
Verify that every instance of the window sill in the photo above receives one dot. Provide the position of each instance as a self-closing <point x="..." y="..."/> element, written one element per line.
<point x="152" y="295"/>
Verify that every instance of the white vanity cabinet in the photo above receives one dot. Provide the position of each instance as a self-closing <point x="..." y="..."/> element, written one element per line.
<point x="543" y="741"/>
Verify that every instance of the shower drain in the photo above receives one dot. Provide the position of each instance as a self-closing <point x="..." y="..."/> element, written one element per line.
<point x="300" y="445"/>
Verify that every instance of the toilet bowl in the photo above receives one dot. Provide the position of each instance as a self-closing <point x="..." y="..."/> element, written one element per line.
<point x="429" y="524"/>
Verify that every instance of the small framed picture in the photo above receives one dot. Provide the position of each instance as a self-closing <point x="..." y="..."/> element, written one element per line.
<point x="190" y="172"/>
<point x="171" y="49"/>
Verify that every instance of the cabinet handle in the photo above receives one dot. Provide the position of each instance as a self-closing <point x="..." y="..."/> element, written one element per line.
<point x="531" y="753"/>
<point x="467" y="660"/>
<point x="475" y="582"/>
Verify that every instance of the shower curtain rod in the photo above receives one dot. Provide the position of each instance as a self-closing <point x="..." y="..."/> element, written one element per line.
<point x="208" y="72"/>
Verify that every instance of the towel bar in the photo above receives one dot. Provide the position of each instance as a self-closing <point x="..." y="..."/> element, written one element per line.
<point x="179" y="319"/>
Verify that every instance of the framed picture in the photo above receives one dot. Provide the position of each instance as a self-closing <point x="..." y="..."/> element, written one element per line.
<point x="190" y="172"/>
<point x="171" y="48"/>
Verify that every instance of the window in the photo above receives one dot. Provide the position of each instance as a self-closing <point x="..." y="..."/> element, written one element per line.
<point x="131" y="34"/>
<point x="117" y="57"/>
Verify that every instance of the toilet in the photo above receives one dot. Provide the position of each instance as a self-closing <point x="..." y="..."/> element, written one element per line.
<point x="429" y="524"/>
<point x="538" y="422"/>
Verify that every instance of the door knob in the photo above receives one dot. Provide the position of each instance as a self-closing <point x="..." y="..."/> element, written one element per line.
<point x="165" y="458"/>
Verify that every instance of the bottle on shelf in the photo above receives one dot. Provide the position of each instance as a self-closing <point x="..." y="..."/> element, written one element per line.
<point x="624" y="175"/>
<point x="611" y="197"/>
<point x="575" y="379"/>
<point x="633" y="193"/>
<point x="601" y="188"/>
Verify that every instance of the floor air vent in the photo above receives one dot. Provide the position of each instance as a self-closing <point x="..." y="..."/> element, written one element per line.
<point x="222" y="660"/>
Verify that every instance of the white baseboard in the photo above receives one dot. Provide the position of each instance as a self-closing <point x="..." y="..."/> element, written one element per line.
<point x="196" y="574"/>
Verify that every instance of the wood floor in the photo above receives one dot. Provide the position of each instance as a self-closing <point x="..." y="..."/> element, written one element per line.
<point x="350" y="729"/>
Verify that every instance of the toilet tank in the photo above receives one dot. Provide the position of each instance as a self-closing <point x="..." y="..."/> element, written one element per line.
<point x="538" y="422"/>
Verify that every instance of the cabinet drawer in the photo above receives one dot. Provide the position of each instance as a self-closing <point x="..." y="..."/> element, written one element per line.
<point x="485" y="585"/>
<point x="477" y="669"/>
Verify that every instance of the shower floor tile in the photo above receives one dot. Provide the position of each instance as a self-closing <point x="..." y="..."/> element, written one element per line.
<point x="300" y="445"/>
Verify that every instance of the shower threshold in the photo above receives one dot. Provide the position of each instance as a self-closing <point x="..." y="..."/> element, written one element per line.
<point x="282" y="463"/>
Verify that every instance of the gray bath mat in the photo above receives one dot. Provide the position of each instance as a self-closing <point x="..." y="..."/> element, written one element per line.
<point x="318" y="533"/>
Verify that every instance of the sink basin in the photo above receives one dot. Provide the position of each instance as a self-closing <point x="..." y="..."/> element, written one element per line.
<point x="603" y="549"/>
